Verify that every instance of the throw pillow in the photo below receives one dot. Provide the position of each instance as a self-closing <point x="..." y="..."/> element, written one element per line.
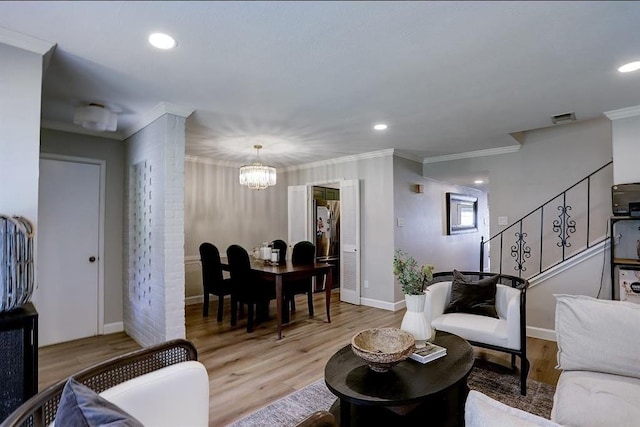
<point x="473" y="297"/>
<point x="80" y="406"/>
<point x="597" y="335"/>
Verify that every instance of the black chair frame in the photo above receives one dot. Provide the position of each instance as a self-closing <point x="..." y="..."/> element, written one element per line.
<point x="517" y="283"/>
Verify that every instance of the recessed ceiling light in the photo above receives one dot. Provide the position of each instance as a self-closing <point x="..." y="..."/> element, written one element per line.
<point x="478" y="181"/>
<point x="631" y="66"/>
<point x="380" y="126"/>
<point x="162" y="41"/>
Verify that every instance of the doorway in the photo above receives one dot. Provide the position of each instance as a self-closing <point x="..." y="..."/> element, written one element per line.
<point x="69" y="294"/>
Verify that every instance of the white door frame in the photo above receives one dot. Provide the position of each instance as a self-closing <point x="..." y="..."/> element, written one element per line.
<point x="101" y="218"/>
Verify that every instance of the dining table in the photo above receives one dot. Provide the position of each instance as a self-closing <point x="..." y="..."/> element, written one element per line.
<point x="284" y="271"/>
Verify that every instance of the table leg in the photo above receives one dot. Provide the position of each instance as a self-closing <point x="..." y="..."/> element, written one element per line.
<point x="327" y="292"/>
<point x="279" y="304"/>
<point x="345" y="413"/>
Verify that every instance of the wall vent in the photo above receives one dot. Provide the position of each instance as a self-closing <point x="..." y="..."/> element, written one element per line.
<point x="564" y="117"/>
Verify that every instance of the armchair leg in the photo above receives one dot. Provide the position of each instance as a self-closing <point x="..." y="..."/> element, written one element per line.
<point x="513" y="361"/>
<point x="220" y="307"/>
<point x="524" y="372"/>
<point x="205" y="305"/>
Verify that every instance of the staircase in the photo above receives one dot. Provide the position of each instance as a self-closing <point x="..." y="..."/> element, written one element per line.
<point x="560" y="229"/>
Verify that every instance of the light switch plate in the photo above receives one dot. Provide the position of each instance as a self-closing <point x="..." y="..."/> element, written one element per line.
<point x="400" y="222"/>
<point x="503" y="220"/>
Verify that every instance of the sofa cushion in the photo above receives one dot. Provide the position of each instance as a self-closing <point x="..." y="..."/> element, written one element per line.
<point x="594" y="399"/>
<point x="473" y="297"/>
<point x="474" y="328"/>
<point x="598" y="335"/>
<point x="80" y="406"/>
<point x="181" y="391"/>
<point x="481" y="411"/>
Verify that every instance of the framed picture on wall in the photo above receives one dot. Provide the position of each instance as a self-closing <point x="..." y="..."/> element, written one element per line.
<point x="462" y="213"/>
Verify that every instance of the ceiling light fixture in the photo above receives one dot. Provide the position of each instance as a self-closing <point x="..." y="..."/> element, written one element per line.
<point x="631" y="66"/>
<point x="380" y="126"/>
<point x="162" y="41"/>
<point x="257" y="176"/>
<point x="96" y="117"/>
<point x="478" y="181"/>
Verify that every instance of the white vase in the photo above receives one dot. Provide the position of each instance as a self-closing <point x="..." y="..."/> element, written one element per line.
<point x="414" y="320"/>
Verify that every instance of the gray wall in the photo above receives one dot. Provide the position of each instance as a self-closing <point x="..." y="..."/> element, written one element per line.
<point x="20" y="91"/>
<point x="549" y="161"/>
<point x="424" y="235"/>
<point x="376" y="218"/>
<point x="71" y="144"/>
<point x="626" y="150"/>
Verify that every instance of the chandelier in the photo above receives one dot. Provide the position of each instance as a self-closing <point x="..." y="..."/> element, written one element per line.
<point x="257" y="176"/>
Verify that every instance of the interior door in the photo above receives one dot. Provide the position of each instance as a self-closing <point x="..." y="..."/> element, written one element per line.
<point x="350" y="241"/>
<point x="68" y="238"/>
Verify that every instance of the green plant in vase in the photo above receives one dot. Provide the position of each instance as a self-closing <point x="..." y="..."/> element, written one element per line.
<point x="414" y="278"/>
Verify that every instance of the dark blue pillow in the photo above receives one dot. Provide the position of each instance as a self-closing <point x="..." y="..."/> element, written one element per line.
<point x="82" y="407"/>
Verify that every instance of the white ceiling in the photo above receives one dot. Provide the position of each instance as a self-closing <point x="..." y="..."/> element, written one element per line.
<point x="308" y="80"/>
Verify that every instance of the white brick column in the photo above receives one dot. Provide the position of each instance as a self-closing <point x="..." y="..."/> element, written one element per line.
<point x="153" y="297"/>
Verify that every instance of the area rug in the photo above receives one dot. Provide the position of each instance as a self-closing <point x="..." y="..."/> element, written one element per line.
<point x="501" y="385"/>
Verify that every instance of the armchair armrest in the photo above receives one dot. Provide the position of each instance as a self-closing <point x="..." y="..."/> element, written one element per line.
<point x="437" y="299"/>
<point x="508" y="307"/>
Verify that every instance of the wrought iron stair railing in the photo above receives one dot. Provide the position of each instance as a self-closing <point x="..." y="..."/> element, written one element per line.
<point x="554" y="232"/>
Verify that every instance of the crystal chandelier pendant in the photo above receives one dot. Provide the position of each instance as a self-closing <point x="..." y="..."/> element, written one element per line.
<point x="257" y="176"/>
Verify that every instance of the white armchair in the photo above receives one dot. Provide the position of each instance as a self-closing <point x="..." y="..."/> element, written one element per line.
<point x="506" y="333"/>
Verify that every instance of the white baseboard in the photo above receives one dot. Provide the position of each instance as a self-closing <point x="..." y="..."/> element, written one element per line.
<point x="543" y="334"/>
<point x="112" y="328"/>
<point x="196" y="299"/>
<point x="380" y="304"/>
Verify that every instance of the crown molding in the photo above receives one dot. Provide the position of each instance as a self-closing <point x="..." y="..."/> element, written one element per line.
<point x="156" y="112"/>
<point x="623" y="113"/>
<point x="25" y="42"/>
<point x="338" y="160"/>
<point x="470" y="154"/>
<point x="210" y="161"/>
<point x="407" y="156"/>
<point x="66" y="127"/>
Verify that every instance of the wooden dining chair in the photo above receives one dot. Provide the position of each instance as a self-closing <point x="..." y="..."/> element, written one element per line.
<point x="213" y="281"/>
<point x="303" y="252"/>
<point x="248" y="288"/>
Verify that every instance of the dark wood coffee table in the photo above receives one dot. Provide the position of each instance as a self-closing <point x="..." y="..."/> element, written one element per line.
<point x="410" y="393"/>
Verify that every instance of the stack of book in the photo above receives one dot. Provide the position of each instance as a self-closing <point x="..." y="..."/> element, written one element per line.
<point x="428" y="353"/>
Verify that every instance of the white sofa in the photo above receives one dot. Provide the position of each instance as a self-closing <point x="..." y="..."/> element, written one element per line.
<point x="599" y="355"/>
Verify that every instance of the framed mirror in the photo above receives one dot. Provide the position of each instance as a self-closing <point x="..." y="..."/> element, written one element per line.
<point x="462" y="213"/>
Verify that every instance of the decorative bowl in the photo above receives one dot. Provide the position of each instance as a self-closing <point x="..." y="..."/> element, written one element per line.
<point x="382" y="348"/>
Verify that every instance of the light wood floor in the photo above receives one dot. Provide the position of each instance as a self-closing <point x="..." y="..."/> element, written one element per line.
<point x="248" y="371"/>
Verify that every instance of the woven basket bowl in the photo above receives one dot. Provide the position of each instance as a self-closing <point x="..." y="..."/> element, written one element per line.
<point x="382" y="348"/>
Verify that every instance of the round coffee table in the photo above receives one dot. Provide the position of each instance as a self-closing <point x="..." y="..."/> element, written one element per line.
<point x="410" y="393"/>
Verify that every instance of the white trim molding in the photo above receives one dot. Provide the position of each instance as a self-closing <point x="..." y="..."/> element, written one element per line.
<point x="391" y="306"/>
<point x="345" y="159"/>
<point x="25" y="42"/>
<point x="112" y="328"/>
<point x="68" y="127"/>
<point x="541" y="333"/>
<point x="594" y="250"/>
<point x="470" y="154"/>
<point x="158" y="111"/>
<point x="623" y="113"/>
